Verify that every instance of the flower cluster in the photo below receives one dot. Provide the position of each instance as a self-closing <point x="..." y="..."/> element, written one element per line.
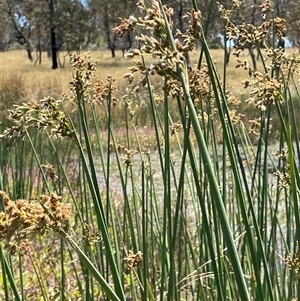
<point x="127" y="158"/>
<point x="44" y="115"/>
<point x="264" y="90"/>
<point x="247" y="34"/>
<point x="83" y="71"/>
<point x="293" y="262"/>
<point x="92" y="236"/>
<point x="157" y="19"/>
<point x="22" y="219"/>
<point x="97" y="91"/>
<point x="133" y="260"/>
<point x="50" y="171"/>
<point x="284" y="177"/>
<point x="102" y="91"/>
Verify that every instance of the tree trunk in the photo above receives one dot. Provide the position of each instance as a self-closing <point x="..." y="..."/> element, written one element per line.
<point x="250" y="46"/>
<point x="53" y="38"/>
<point x="39" y="53"/>
<point x="227" y="54"/>
<point x="111" y="42"/>
<point x="252" y="54"/>
<point x="227" y="49"/>
<point x="22" y="37"/>
<point x="29" y="54"/>
<point x="181" y="27"/>
<point x="54" y="50"/>
<point x="281" y="43"/>
<point x="113" y="51"/>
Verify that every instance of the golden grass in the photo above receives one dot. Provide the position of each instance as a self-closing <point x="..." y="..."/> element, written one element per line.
<point x="41" y="80"/>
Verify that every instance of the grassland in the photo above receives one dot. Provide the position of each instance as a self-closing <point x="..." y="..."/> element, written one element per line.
<point x="21" y="80"/>
<point x="42" y="80"/>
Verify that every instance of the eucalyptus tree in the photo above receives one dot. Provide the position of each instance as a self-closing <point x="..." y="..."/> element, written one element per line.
<point x="48" y="25"/>
<point x="35" y="14"/>
<point x="290" y="10"/>
<point x="107" y="14"/>
<point x="13" y="10"/>
<point x="6" y="29"/>
<point x="75" y="24"/>
<point x="72" y="25"/>
<point x="246" y="19"/>
<point x="69" y="25"/>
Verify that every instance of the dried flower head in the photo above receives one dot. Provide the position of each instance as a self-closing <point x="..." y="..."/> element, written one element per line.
<point x="254" y="126"/>
<point x="264" y="90"/>
<point x="22" y="219"/>
<point x="175" y="128"/>
<point x="284" y="177"/>
<point x="92" y="236"/>
<point x="293" y="262"/>
<point x="104" y="90"/>
<point x="157" y="19"/>
<point x="44" y="115"/>
<point x="83" y="71"/>
<point x="133" y="260"/>
<point x="50" y="171"/>
<point x="129" y="153"/>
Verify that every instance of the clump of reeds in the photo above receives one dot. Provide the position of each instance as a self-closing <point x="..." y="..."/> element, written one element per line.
<point x="205" y="222"/>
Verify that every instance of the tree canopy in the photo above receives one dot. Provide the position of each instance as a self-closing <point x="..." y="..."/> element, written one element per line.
<point x="74" y="25"/>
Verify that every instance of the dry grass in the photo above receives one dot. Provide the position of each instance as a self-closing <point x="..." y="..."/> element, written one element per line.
<point x="40" y="80"/>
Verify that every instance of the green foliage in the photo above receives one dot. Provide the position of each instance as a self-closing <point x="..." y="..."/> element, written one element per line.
<point x="195" y="219"/>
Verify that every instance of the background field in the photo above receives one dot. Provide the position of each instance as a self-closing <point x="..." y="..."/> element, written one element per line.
<point x="21" y="80"/>
<point x="41" y="79"/>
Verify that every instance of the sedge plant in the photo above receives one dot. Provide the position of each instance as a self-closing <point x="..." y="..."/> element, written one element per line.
<point x="204" y="205"/>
